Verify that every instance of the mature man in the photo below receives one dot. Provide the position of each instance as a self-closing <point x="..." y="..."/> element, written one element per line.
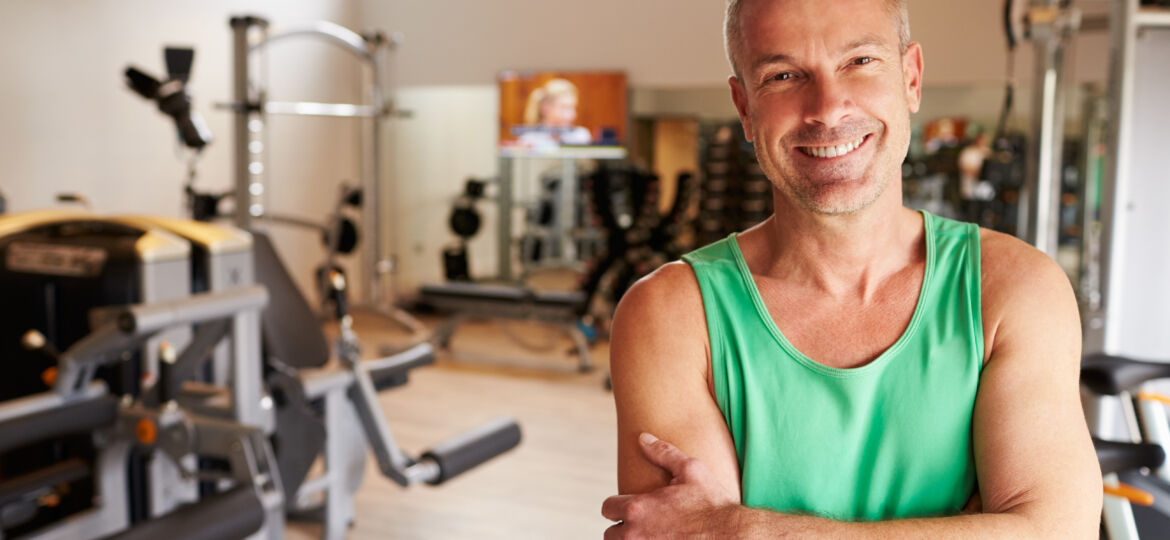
<point x="848" y="367"/>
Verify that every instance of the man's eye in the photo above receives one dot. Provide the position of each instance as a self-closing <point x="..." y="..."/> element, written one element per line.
<point x="781" y="76"/>
<point x="862" y="61"/>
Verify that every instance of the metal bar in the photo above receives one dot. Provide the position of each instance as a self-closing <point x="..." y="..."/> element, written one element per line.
<point x="144" y="319"/>
<point x="418" y="355"/>
<point x="1151" y="17"/>
<point x="248" y="400"/>
<point x="1040" y="207"/>
<point x="295" y="222"/>
<point x="1117" y="514"/>
<point x="1115" y="189"/>
<point x="374" y="258"/>
<point x="391" y="460"/>
<point x="310" y="108"/>
<point x="240" y="27"/>
<point x="312" y="487"/>
<point x="567" y="211"/>
<point x="1156" y="429"/>
<point x="339" y="35"/>
<point x="1089" y="289"/>
<point x="504" y="218"/>
<point x="46" y="401"/>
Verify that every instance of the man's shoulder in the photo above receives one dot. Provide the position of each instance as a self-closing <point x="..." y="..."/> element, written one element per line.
<point x="665" y="294"/>
<point x="1010" y="265"/>
<point x="663" y="310"/>
<point x="1021" y="286"/>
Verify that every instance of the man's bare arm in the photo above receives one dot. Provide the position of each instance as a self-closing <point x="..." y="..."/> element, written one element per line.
<point x="659" y="363"/>
<point x="1037" y="471"/>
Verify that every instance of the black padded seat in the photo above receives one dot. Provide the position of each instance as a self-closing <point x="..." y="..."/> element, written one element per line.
<point x="1111" y="375"/>
<point x="476" y="291"/>
<point x="501" y="300"/>
<point x="1121" y="456"/>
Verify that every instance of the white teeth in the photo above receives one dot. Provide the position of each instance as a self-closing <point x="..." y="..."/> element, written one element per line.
<point x="832" y="151"/>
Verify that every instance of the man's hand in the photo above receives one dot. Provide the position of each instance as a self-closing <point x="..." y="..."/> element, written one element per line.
<point x="692" y="502"/>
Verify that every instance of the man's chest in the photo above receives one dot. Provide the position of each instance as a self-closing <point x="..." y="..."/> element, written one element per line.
<point x="842" y="333"/>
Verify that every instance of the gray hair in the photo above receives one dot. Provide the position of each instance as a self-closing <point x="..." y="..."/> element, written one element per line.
<point x="733" y="33"/>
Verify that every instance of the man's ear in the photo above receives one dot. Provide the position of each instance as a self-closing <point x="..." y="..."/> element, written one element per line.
<point x="912" y="73"/>
<point x="740" y="98"/>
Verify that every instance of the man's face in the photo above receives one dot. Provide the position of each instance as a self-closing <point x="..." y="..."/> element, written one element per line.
<point x="826" y="96"/>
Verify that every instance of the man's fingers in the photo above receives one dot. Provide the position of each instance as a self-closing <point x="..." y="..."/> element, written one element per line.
<point x="614" y="508"/>
<point x="663" y="454"/>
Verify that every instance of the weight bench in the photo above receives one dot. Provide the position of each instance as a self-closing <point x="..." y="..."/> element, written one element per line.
<point x="472" y="302"/>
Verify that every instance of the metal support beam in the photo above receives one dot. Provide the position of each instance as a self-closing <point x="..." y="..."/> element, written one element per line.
<point x="1049" y="29"/>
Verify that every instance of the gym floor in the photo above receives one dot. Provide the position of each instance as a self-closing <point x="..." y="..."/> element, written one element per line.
<point x="551" y="486"/>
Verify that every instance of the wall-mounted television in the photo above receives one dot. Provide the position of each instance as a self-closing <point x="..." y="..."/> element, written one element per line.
<point x="548" y="110"/>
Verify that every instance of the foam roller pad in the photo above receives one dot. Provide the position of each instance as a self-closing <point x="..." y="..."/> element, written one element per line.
<point x="466" y="451"/>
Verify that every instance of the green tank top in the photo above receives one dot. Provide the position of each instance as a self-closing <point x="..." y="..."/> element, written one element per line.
<point x="890" y="439"/>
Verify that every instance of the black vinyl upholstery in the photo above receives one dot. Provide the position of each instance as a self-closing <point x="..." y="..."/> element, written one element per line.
<point x="1112" y="375"/>
<point x="1120" y="456"/>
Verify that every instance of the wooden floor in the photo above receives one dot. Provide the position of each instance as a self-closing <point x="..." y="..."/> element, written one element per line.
<point x="551" y="486"/>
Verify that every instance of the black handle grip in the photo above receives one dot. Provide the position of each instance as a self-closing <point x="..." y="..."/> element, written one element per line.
<point x="460" y="454"/>
<point x="1119" y="456"/>
<point x="234" y="514"/>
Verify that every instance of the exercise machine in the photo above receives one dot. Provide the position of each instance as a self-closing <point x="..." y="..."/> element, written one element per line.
<point x="326" y="403"/>
<point x="1123" y="405"/>
<point x="285" y="409"/>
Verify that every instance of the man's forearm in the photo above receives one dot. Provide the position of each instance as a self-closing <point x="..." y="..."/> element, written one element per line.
<point x="744" y="522"/>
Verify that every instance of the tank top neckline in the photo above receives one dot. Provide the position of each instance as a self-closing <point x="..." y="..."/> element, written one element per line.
<point x="872" y="367"/>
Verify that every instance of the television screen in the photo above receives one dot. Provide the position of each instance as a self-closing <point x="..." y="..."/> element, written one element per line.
<point x="547" y="110"/>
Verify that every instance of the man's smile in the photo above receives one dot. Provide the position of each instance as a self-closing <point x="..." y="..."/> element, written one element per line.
<point x="834" y="151"/>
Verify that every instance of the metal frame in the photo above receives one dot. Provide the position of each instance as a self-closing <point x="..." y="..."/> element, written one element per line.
<point x="250" y="106"/>
<point x="1050" y="28"/>
<point x="566" y="195"/>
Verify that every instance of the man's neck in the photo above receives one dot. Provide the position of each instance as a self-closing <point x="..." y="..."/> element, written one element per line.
<point x="843" y="255"/>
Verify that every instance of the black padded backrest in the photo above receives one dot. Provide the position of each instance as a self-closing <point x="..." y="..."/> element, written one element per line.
<point x="292" y="331"/>
<point x="1111" y="375"/>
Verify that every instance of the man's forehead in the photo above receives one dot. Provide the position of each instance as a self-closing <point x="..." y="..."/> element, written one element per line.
<point x="769" y="27"/>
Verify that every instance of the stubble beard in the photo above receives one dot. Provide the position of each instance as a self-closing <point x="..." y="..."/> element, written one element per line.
<point x="839" y="191"/>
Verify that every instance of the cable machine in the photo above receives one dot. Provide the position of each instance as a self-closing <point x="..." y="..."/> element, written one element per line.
<point x="250" y="105"/>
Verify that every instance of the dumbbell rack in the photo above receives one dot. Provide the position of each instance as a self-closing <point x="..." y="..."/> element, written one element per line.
<point x="736" y="194"/>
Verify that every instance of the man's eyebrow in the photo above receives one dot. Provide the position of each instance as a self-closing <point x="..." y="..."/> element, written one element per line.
<point x="868" y="40"/>
<point x="777" y="58"/>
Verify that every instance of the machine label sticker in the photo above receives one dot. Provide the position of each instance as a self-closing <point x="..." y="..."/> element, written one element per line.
<point x="72" y="261"/>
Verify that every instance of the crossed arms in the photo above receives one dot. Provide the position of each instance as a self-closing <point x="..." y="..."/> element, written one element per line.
<point x="1036" y="469"/>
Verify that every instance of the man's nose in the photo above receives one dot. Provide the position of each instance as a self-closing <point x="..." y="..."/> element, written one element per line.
<point x="827" y="102"/>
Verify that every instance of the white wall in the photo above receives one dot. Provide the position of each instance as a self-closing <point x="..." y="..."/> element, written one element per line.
<point x="451" y="136"/>
<point x="1138" y="292"/>
<point x="69" y="124"/>
<point x="675" y="43"/>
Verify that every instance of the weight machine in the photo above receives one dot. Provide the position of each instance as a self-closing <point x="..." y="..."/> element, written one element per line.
<point x="186" y="411"/>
